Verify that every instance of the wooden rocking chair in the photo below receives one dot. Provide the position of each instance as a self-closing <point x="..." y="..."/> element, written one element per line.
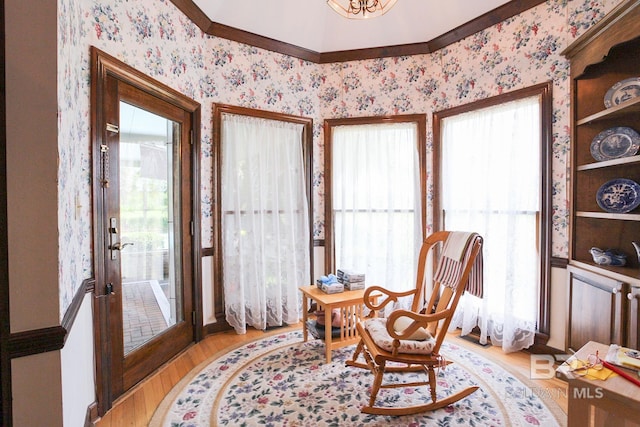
<point x="412" y="339"/>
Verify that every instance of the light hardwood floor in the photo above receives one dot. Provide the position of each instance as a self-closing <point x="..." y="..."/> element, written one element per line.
<point x="138" y="406"/>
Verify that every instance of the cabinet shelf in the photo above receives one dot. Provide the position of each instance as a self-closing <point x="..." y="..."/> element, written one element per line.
<point x="609" y="163"/>
<point x="630" y="275"/>
<point x="628" y="107"/>
<point x="607" y="215"/>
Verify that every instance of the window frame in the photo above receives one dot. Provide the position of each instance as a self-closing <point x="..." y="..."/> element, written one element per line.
<point x="307" y="149"/>
<point x="544" y="92"/>
<point x="421" y="122"/>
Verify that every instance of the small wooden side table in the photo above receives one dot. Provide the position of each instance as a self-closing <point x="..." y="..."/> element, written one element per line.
<point x="613" y="402"/>
<point x="350" y="304"/>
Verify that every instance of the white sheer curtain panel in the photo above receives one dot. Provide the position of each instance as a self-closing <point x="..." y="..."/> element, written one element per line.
<point x="491" y="184"/>
<point x="376" y="202"/>
<point x="265" y="221"/>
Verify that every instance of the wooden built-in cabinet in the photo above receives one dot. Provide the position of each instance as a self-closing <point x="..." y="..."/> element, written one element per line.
<point x="596" y="305"/>
<point x="633" y="329"/>
<point x="600" y="298"/>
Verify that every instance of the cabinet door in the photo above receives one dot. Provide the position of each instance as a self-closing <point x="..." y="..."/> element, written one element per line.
<point x="633" y="328"/>
<point x="595" y="309"/>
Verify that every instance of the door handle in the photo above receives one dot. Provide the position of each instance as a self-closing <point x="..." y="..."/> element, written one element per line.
<point x="120" y="246"/>
<point x="113" y="235"/>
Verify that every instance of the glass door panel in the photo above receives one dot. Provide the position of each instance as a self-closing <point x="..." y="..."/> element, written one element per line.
<point x="149" y="212"/>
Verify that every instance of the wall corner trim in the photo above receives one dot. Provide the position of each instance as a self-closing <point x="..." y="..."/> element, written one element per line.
<point x="558" y="262"/>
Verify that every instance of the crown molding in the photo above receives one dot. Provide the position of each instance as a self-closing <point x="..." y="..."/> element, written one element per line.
<point x="495" y="16"/>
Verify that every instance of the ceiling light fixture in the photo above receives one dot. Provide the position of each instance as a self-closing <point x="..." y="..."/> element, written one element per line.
<point x="361" y="9"/>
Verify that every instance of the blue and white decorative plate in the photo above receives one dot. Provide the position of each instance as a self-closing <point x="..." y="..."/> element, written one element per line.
<point x="619" y="195"/>
<point x="614" y="143"/>
<point x="622" y="91"/>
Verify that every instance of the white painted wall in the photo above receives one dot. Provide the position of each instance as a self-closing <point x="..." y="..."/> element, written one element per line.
<point x="78" y="376"/>
<point x="558" y="308"/>
<point x="208" y="303"/>
<point x="318" y="263"/>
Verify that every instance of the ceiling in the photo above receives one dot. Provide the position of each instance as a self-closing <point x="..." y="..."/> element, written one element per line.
<point x="310" y="29"/>
<point x="313" y="25"/>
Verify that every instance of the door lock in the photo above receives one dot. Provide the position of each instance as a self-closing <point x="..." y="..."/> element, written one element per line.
<point x="108" y="289"/>
<point x="114" y="245"/>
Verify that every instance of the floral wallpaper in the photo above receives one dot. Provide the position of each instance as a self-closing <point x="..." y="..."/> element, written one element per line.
<point x="157" y="39"/>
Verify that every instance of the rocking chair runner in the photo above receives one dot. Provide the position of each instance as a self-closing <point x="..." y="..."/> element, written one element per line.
<point x="412" y="339"/>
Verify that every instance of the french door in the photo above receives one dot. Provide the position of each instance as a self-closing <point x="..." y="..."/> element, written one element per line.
<point x="145" y="269"/>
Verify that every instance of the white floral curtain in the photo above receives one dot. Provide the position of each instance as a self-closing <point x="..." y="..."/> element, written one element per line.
<point x="376" y="202"/>
<point x="265" y="221"/>
<point x="491" y="184"/>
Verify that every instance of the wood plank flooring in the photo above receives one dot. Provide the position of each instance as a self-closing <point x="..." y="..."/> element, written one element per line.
<point x="136" y="407"/>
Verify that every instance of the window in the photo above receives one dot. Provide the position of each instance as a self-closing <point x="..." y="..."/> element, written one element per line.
<point x="375" y="210"/>
<point x="263" y="235"/>
<point x="493" y="179"/>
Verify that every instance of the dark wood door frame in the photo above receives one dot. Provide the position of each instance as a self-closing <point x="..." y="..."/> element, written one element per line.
<point x="5" y="329"/>
<point x="105" y="70"/>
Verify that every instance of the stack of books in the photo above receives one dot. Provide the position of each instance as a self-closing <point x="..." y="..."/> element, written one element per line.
<point x="350" y="279"/>
<point x="332" y="288"/>
<point x="317" y="331"/>
<point x="330" y="284"/>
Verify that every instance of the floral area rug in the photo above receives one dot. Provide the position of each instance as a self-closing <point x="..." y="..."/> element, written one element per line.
<point x="282" y="381"/>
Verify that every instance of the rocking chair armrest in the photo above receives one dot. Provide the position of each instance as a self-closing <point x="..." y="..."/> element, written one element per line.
<point x="387" y="295"/>
<point x="419" y="321"/>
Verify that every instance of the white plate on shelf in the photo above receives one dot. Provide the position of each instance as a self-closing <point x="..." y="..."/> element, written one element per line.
<point x="614" y="143"/>
<point x="622" y="91"/>
<point x="619" y="195"/>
